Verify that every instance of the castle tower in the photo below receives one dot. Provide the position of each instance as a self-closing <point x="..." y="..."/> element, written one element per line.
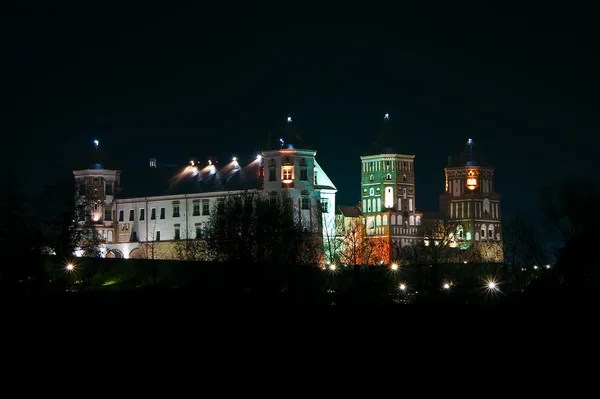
<point x="471" y="201"/>
<point x="96" y="189"/>
<point x="294" y="175"/>
<point x="388" y="193"/>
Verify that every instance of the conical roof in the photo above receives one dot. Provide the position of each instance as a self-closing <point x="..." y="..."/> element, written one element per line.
<point x="287" y="136"/>
<point x="386" y="137"/>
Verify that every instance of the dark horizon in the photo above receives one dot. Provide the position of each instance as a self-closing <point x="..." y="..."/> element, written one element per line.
<point x="174" y="84"/>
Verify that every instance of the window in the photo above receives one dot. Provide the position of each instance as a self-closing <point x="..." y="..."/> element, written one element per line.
<point x="107" y="214"/>
<point x="388" y="176"/>
<point x="272" y="176"/>
<point x="153" y="214"/>
<point x="325" y="205"/>
<point x="287" y="174"/>
<point x="175" y="209"/>
<point x="142" y="214"/>
<point x="158" y="236"/>
<point x="177" y="232"/>
<point x="162" y="213"/>
<point x="305" y="203"/>
<point x="131" y="214"/>
<point x="389" y="197"/>
<point x="371" y="178"/>
<point x="134" y="236"/>
<point x="196" y="211"/>
<point x="304" y="174"/>
<point x="120" y="216"/>
<point x="108" y="189"/>
<point x="198" y="230"/>
<point x="403" y="177"/>
<point x="205" y="207"/>
<point x="371" y="191"/>
<point x="315" y="177"/>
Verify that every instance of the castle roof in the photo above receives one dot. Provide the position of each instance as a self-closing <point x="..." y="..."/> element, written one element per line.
<point x="350" y="211"/>
<point x="174" y="180"/>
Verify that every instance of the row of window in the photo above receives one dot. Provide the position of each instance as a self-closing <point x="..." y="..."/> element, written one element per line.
<point x="196" y="211"/>
<point x="374" y="166"/>
<point x="176" y="233"/>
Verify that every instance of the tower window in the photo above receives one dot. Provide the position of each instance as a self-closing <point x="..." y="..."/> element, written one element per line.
<point x="371" y="178"/>
<point x="324" y="205"/>
<point x="305" y="203"/>
<point x="287" y="174"/>
<point x="389" y="176"/>
<point x="303" y="174"/>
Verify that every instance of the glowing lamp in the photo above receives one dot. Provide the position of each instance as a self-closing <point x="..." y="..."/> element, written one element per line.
<point x="259" y="158"/>
<point x="234" y="159"/>
<point x="332" y="267"/>
<point x="402" y="287"/>
<point x="492" y="285"/>
<point x="471" y="180"/>
<point x="446" y="286"/>
<point x="394" y="266"/>
<point x="70" y="266"/>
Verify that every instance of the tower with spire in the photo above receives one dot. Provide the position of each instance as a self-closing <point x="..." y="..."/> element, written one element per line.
<point x="292" y="174"/>
<point x="470" y="200"/>
<point x="388" y="193"/>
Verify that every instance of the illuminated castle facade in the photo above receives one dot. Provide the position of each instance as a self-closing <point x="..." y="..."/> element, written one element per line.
<point x="175" y="203"/>
<point x="469" y="207"/>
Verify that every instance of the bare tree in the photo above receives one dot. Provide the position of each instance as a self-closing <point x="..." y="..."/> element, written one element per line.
<point x="249" y="228"/>
<point x="333" y="232"/>
<point x="192" y="248"/>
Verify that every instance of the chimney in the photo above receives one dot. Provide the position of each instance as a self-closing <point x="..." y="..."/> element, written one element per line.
<point x="153" y="162"/>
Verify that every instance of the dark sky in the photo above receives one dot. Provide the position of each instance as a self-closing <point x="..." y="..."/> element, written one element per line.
<point x="178" y="82"/>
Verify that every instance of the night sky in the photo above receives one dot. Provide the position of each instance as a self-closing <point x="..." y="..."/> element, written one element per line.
<point x="175" y="83"/>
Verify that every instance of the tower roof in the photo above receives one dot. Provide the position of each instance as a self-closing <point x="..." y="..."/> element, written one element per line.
<point x="385" y="138"/>
<point x="96" y="158"/>
<point x="287" y="136"/>
<point x="468" y="157"/>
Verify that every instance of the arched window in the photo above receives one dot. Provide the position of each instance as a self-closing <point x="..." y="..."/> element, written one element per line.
<point x="459" y="232"/>
<point x="411" y="220"/>
<point x="393" y="220"/>
<point x="404" y="193"/>
<point x="483" y="231"/>
<point x="388" y="176"/>
<point x="389" y="197"/>
<point x="418" y="220"/>
<point x="410" y="205"/>
<point x="371" y="191"/>
<point x="385" y="220"/>
<point x="486" y="206"/>
<point x="378" y="220"/>
<point x="371" y="178"/>
<point x="491" y="234"/>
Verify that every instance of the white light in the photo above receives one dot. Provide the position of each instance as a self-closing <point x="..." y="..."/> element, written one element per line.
<point x="332" y="267"/>
<point x="470" y="141"/>
<point x="535" y="267"/>
<point x="446" y="286"/>
<point x="289" y="119"/>
<point x="259" y="157"/>
<point x="209" y="162"/>
<point x="465" y="262"/>
<point x="70" y="266"/>
<point x="96" y="143"/>
<point x="386" y="116"/>
<point x="547" y="266"/>
<point x="234" y="159"/>
<point x="492" y="285"/>
<point x="402" y="287"/>
<point x="394" y="266"/>
<point x="192" y="163"/>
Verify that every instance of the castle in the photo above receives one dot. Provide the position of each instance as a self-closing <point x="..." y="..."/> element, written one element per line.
<point x="175" y="203"/>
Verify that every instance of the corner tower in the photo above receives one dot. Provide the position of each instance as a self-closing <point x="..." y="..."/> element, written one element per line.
<point x="470" y="201"/>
